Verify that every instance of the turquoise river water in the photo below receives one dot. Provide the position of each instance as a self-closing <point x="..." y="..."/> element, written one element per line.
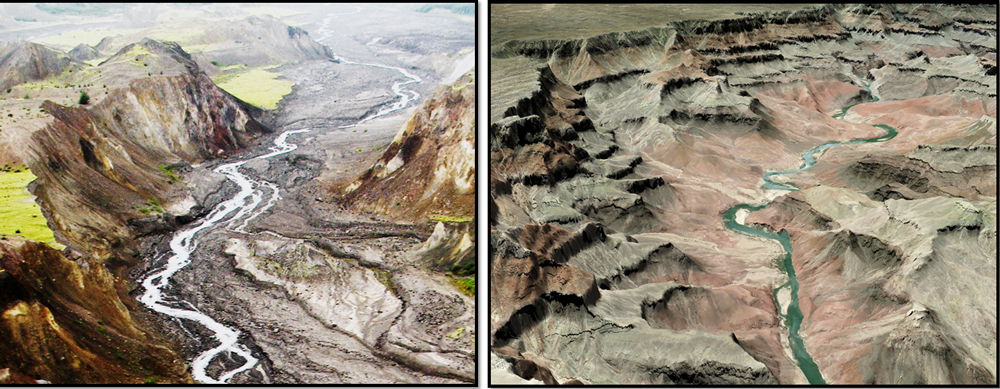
<point x="793" y="316"/>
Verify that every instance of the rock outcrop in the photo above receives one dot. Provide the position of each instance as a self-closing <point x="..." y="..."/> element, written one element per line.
<point x="63" y="322"/>
<point x="100" y="166"/>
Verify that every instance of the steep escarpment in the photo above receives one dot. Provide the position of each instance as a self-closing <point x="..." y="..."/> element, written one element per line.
<point x="649" y="136"/>
<point x="101" y="166"/>
<point x="64" y="323"/>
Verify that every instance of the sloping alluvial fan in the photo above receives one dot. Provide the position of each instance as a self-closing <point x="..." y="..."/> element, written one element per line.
<point x="786" y="197"/>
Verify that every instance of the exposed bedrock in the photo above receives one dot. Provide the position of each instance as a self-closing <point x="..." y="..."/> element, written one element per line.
<point x="613" y="158"/>
<point x="97" y="167"/>
<point x="868" y="266"/>
<point x="68" y="311"/>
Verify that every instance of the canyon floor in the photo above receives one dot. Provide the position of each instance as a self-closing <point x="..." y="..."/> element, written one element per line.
<point x="280" y="321"/>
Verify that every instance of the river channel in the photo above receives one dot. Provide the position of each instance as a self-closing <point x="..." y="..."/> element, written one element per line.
<point x="793" y="315"/>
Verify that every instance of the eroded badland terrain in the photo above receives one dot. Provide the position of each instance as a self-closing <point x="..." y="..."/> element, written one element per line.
<point x="248" y="194"/>
<point x="724" y="197"/>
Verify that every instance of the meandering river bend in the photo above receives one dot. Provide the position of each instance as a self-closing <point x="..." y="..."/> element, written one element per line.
<point x="793" y="315"/>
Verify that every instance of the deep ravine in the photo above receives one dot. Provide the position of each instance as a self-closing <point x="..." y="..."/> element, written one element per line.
<point x="235" y="214"/>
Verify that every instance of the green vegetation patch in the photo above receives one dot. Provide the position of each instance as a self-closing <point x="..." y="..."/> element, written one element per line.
<point x="449" y="219"/>
<point x="466" y="269"/>
<point x="466" y="285"/>
<point x="19" y="214"/>
<point x="50" y="83"/>
<point x="385" y="278"/>
<point x="256" y="86"/>
<point x="172" y="176"/>
<point x="231" y="68"/>
<point x="456" y="333"/>
<point x="151" y="207"/>
<point x="138" y="55"/>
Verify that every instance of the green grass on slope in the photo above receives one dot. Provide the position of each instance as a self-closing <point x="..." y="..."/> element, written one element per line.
<point x="256" y="86"/>
<point x="449" y="218"/>
<point x="19" y="214"/>
<point x="466" y="285"/>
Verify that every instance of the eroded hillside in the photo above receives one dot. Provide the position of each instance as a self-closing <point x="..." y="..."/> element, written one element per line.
<point x="182" y="155"/>
<point x="105" y="175"/>
<point x="428" y="168"/>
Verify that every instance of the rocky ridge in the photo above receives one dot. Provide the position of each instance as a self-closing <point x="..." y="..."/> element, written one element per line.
<point x="63" y="321"/>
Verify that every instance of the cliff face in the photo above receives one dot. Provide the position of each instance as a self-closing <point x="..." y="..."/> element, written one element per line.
<point x="614" y="157"/>
<point x="63" y="322"/>
<point x="98" y="167"/>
